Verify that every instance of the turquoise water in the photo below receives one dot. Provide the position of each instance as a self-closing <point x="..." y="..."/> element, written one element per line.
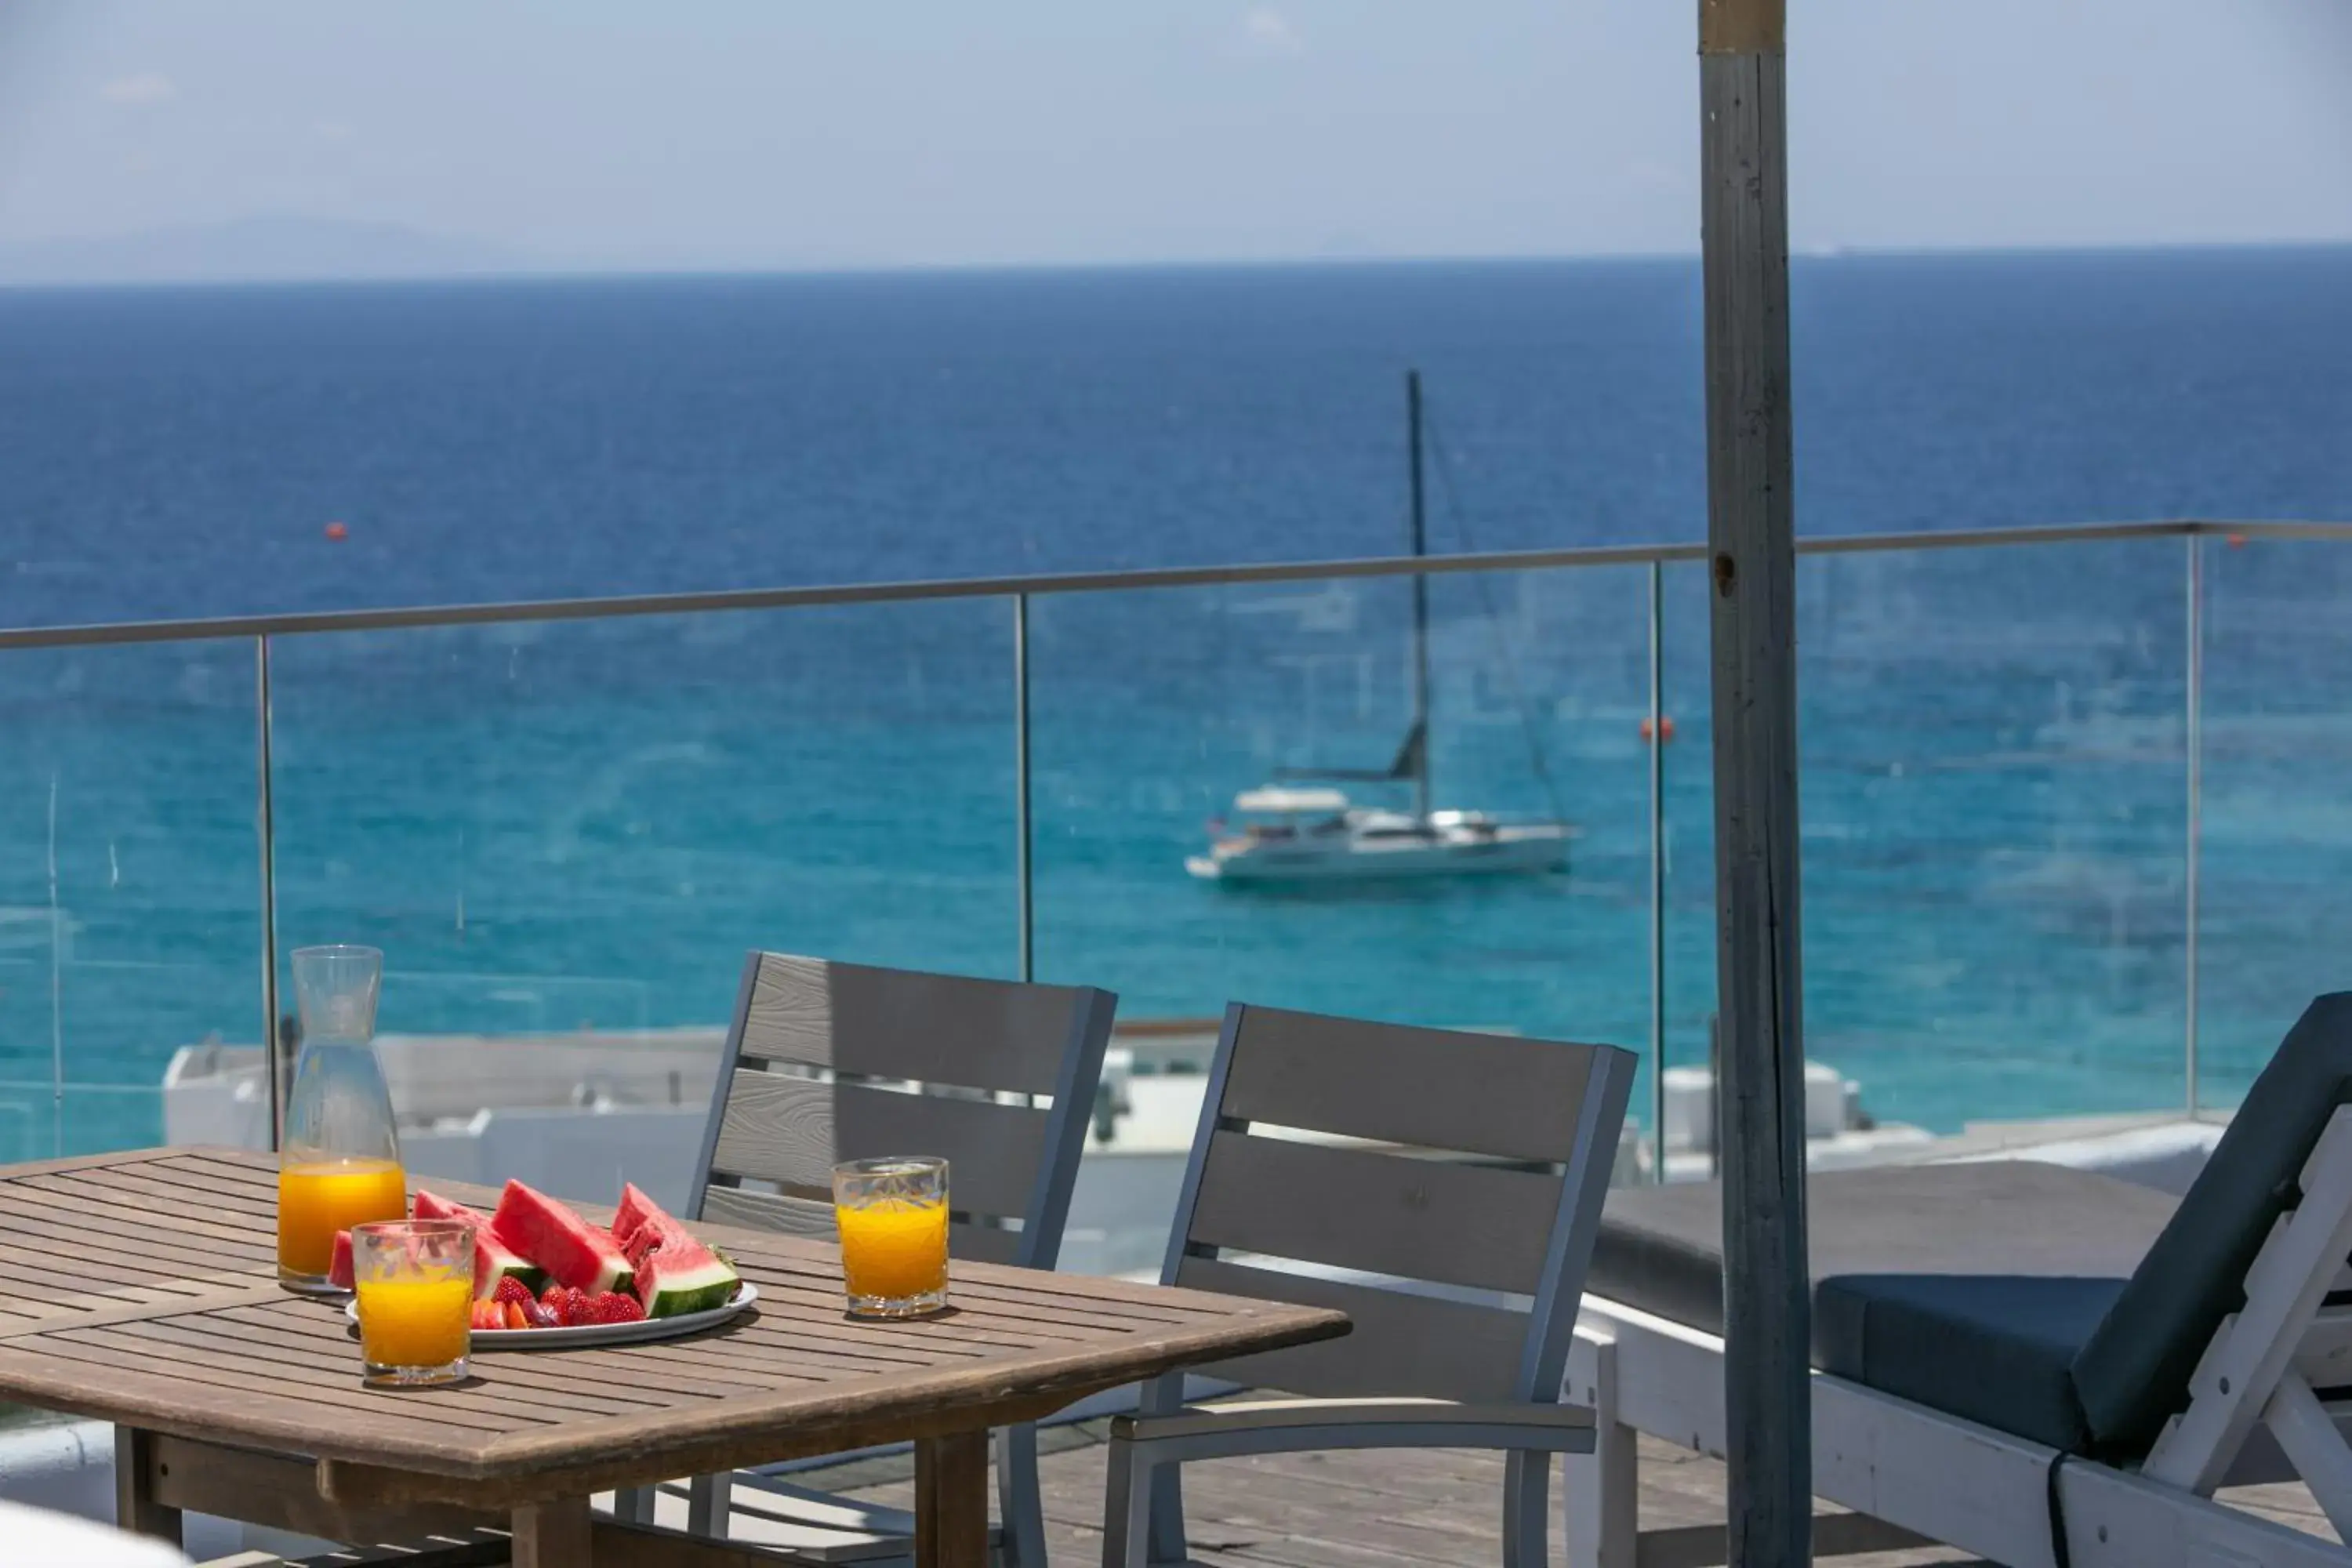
<point x="557" y="826"/>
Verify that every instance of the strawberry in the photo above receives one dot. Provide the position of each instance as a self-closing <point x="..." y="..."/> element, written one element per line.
<point x="510" y="1289"/>
<point x="488" y="1315"/>
<point x="611" y="1307"/>
<point x="565" y="1303"/>
<point x="515" y="1320"/>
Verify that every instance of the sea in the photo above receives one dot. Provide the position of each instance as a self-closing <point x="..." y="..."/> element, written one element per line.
<point x="2045" y="849"/>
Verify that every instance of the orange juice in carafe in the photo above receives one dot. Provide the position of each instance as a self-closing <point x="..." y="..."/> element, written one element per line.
<point x="338" y="1151"/>
<point x="320" y="1197"/>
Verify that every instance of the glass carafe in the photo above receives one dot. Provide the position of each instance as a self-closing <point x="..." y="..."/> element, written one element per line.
<point x="339" y="1161"/>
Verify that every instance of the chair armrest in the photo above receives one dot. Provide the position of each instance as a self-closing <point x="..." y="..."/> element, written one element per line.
<point x="1278" y="1425"/>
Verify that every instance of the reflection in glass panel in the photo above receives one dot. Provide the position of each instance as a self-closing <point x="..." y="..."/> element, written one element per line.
<point x="1993" y="794"/>
<point x="2275" y="875"/>
<point x="1165" y="723"/>
<point x="565" y="837"/>
<point x="130" y="885"/>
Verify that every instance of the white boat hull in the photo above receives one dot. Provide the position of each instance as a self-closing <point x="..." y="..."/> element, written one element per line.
<point x="1534" y="848"/>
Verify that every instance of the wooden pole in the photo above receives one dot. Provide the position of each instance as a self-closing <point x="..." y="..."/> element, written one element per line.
<point x="1751" y="548"/>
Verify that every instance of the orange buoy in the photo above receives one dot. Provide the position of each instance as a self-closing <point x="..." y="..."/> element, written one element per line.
<point x="2237" y="541"/>
<point x="1666" y="727"/>
<point x="336" y="530"/>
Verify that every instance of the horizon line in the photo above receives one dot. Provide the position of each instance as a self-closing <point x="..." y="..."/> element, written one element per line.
<point x="589" y="272"/>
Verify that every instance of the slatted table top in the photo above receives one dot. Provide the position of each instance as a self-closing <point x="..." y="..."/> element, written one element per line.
<point x="142" y="1289"/>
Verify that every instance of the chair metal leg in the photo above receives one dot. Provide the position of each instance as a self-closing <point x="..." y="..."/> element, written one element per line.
<point x="1167" y="1493"/>
<point x="709" y="1505"/>
<point x="1526" y="1477"/>
<point x="1126" y="1508"/>
<point x="1017" y="1501"/>
<point x="1164" y="1395"/>
<point x="634" y="1505"/>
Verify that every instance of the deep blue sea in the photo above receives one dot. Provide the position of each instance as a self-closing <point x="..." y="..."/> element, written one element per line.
<point x="556" y="825"/>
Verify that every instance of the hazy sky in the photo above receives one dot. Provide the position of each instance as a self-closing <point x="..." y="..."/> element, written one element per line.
<point x="797" y="132"/>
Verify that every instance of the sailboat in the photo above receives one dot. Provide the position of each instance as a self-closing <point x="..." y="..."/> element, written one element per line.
<point x="1303" y="828"/>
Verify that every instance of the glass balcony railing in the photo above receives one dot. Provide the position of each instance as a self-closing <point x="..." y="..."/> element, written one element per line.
<point x="1994" y="829"/>
<point x="130" y="893"/>
<point x="2271" y="913"/>
<point x="2072" y="841"/>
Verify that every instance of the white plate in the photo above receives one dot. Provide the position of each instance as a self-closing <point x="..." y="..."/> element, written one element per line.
<point x="587" y="1334"/>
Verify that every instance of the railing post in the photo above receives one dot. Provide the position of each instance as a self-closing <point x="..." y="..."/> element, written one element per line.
<point x="2195" y="805"/>
<point x="56" y="988"/>
<point x="1657" y="874"/>
<point x="1751" y="547"/>
<point x="1021" y="871"/>
<point x="265" y="834"/>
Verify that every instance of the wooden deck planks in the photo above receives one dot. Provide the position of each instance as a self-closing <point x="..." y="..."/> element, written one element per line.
<point x="1325" y="1510"/>
<point x="178" y="1326"/>
<point x="1404" y="1509"/>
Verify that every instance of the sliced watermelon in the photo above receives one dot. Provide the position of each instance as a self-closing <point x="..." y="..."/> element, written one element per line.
<point x="493" y="1259"/>
<point x="339" y="1272"/>
<point x="682" y="1275"/>
<point x="675" y="1273"/>
<point x="634" y="1210"/>
<point x="655" y="1232"/>
<point x="433" y="1206"/>
<point x="571" y="1251"/>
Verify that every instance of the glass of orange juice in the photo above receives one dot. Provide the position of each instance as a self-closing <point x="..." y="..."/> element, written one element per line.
<point x="893" y="1218"/>
<point x="416" y="1284"/>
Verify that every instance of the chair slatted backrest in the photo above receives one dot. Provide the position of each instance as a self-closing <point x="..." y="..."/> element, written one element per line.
<point x="1442" y="1189"/>
<point x="827" y="1062"/>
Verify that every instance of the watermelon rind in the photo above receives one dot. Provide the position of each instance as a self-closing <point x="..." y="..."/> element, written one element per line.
<point x="573" y="1252"/>
<point x="675" y="1279"/>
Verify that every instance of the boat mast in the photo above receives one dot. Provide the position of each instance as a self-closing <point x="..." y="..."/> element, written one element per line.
<point x="1417" y="737"/>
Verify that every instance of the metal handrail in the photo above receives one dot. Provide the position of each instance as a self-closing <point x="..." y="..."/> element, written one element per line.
<point x="303" y="623"/>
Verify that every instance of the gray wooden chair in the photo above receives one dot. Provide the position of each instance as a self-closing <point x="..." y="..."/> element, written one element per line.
<point x="1445" y="1195"/>
<point x="827" y="1062"/>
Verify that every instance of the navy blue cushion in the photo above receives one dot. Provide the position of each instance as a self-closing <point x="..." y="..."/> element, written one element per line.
<point x="1993" y="1348"/>
<point x="2133" y="1371"/>
<point x="1968" y="1288"/>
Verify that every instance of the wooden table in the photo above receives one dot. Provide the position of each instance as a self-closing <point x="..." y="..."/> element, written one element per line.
<point x="140" y="1289"/>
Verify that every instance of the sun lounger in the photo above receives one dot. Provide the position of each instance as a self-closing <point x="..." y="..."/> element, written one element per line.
<point x="2047" y="1368"/>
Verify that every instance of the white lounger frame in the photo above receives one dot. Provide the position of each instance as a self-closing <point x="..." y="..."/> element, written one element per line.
<point x="2252" y="1417"/>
